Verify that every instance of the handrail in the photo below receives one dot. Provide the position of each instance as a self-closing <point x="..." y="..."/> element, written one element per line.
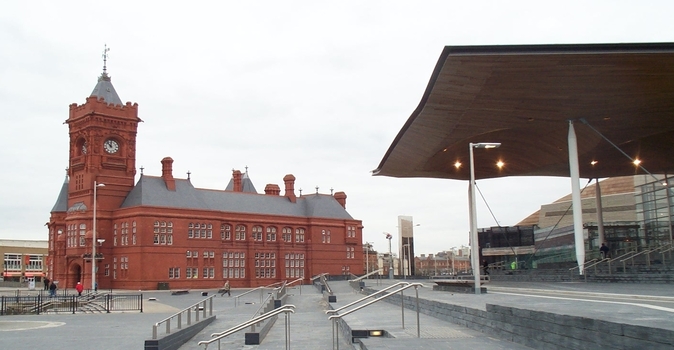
<point x="325" y="283"/>
<point x="236" y="298"/>
<point x="295" y="281"/>
<point x="217" y="336"/>
<point x="648" y="252"/>
<point x="366" y="297"/>
<point x="262" y="305"/>
<point x="335" y="325"/>
<point x="366" y="275"/>
<point x="318" y="276"/>
<point x="587" y="264"/>
<point x="179" y="315"/>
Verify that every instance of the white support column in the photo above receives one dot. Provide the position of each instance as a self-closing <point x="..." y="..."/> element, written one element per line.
<point x="575" y="199"/>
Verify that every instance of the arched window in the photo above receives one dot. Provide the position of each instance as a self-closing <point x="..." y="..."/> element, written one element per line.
<point x="287" y="234"/>
<point x="257" y="233"/>
<point x="240" y="234"/>
<point x="299" y="235"/>
<point x="271" y="234"/>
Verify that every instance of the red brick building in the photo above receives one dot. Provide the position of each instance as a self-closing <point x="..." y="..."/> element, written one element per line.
<point x="162" y="229"/>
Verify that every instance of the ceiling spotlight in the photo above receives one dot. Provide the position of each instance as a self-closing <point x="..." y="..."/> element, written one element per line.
<point x="593" y="162"/>
<point x="457" y="164"/>
<point x="636" y="162"/>
<point x="500" y="164"/>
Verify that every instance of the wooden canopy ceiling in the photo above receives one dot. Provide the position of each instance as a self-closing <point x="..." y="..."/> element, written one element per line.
<point x="524" y="98"/>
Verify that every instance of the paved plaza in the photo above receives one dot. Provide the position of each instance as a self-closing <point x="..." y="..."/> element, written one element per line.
<point x="648" y="305"/>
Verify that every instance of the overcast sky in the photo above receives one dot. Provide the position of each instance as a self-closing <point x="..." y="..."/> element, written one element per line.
<point x="318" y="89"/>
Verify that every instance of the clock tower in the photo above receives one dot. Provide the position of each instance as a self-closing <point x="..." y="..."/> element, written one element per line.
<point x="102" y="146"/>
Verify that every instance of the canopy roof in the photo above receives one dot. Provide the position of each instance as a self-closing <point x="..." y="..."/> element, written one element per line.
<point x="524" y="97"/>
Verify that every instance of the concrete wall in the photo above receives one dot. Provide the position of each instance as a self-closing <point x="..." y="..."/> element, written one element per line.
<point x="544" y="330"/>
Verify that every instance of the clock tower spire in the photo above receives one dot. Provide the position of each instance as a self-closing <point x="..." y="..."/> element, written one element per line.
<point x="102" y="145"/>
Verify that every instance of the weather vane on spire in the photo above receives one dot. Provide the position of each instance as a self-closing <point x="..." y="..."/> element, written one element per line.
<point x="105" y="58"/>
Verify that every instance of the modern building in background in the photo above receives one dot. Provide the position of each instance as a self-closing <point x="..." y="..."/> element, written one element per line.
<point x="406" y="245"/>
<point x="163" y="232"/>
<point x="23" y="260"/>
<point x="636" y="215"/>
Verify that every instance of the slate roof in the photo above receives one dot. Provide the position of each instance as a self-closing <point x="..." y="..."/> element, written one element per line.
<point x="106" y="91"/>
<point x="151" y="191"/>
<point x="61" y="204"/>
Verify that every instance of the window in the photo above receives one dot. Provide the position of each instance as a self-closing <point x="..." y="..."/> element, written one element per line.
<point x="233" y="265"/>
<point x="124" y="266"/>
<point x="326" y="236"/>
<point x="351" y="232"/>
<point x="83" y="231"/>
<point x="265" y="265"/>
<point x="107" y="269"/>
<point x="271" y="234"/>
<point x="287" y="234"/>
<point x="197" y="230"/>
<point x="294" y="264"/>
<point x="226" y="232"/>
<point x="299" y="235"/>
<point x="350" y="252"/>
<point x="156" y="238"/>
<point x="33" y="262"/>
<point x="13" y="262"/>
<point x="257" y="233"/>
<point x="240" y="234"/>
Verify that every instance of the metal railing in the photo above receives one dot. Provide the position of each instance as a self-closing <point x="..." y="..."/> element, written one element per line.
<point x="285" y="309"/>
<point x="295" y="281"/>
<point x="261" y="289"/>
<point x="366" y="275"/>
<point x="587" y="265"/>
<point x="647" y="252"/>
<point x="324" y="281"/>
<point x="318" y="276"/>
<point x="37" y="304"/>
<point x="670" y="249"/>
<point x="188" y="312"/>
<point x="334" y="318"/>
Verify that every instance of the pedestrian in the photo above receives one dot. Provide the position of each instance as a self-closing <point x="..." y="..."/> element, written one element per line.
<point x="96" y="287"/>
<point x="46" y="283"/>
<point x="485" y="266"/>
<point x="52" y="289"/>
<point x="79" y="288"/>
<point x="225" y="290"/>
<point x="604" y="251"/>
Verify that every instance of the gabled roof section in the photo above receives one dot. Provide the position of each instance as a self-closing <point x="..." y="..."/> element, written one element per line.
<point x="61" y="204"/>
<point x="104" y="90"/>
<point x="151" y="191"/>
<point x="246" y="183"/>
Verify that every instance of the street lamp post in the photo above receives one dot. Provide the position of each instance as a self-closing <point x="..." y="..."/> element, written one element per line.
<point x="390" y="256"/>
<point x="93" y="241"/>
<point x="474" y="249"/>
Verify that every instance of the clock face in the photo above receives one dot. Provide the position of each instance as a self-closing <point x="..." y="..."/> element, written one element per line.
<point x="111" y="146"/>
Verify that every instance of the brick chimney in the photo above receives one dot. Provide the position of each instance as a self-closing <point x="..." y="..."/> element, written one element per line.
<point x="167" y="173"/>
<point x="341" y="198"/>
<point x="272" y="190"/>
<point x="289" y="181"/>
<point x="238" y="183"/>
